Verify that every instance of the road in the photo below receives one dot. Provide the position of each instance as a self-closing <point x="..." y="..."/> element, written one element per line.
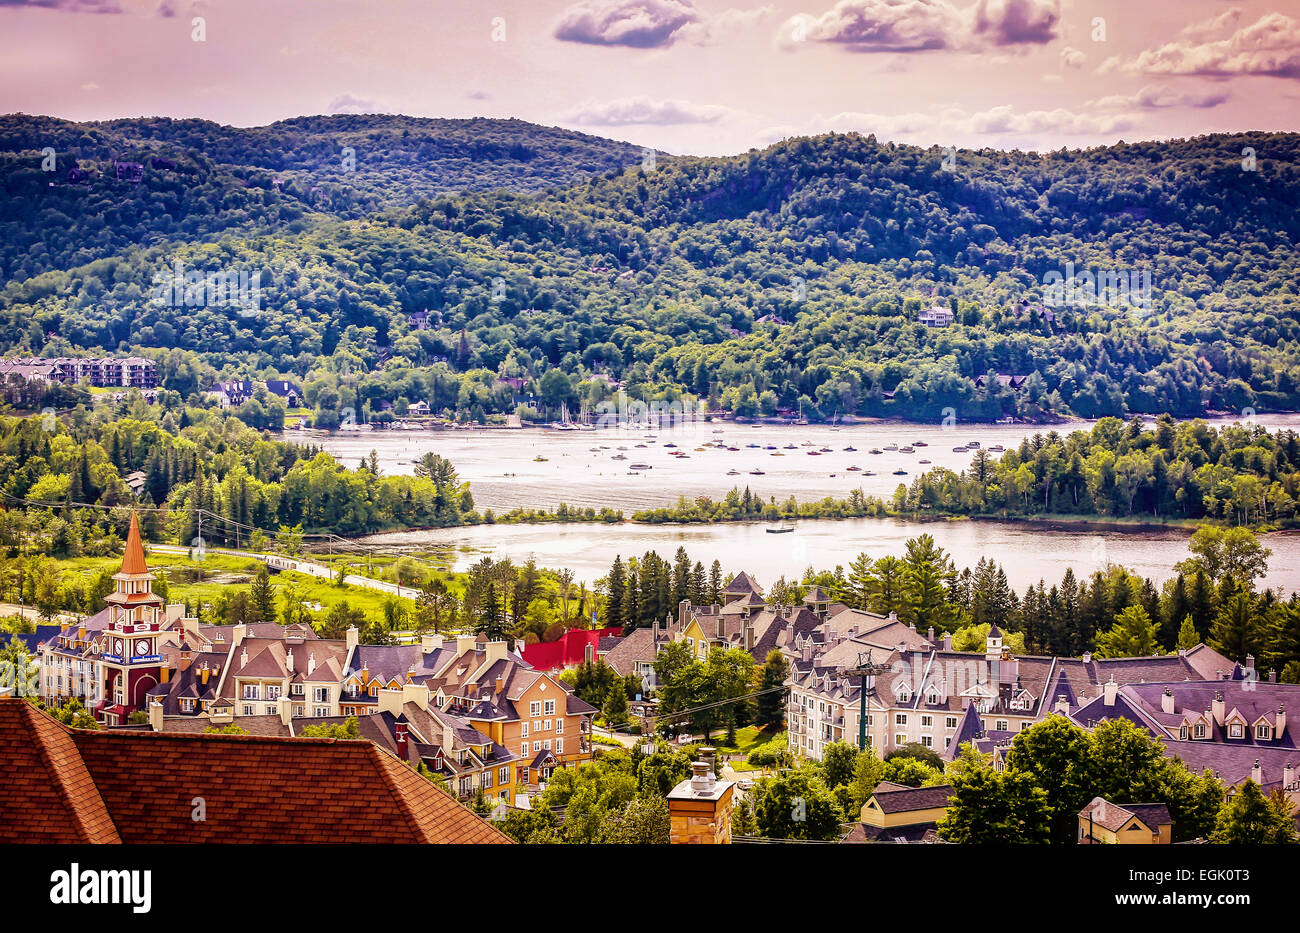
<point x="301" y="565"/>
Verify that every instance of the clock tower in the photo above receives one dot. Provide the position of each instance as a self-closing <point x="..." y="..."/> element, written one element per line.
<point x="132" y="657"/>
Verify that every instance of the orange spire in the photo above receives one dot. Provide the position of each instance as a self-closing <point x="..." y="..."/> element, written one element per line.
<point x="133" y="560"/>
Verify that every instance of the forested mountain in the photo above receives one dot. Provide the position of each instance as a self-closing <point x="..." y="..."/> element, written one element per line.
<point x="787" y="276"/>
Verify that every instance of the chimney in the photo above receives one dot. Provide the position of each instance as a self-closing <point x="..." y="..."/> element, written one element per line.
<point x="243" y="657"/>
<point x="288" y="660"/>
<point x="947" y="642"/>
<point x="1110" y="691"/>
<point x="893" y="616"/>
<point x="699" y="808"/>
<point x="496" y="651"/>
<point x="1272" y="675"/>
<point x="1288" y="776"/>
<point x="1218" y="709"/>
<point x="352" y="637"/>
<point x="430" y="642"/>
<point x="1062" y="705"/>
<point x="464" y="643"/>
<point x="500" y="685"/>
<point x="156" y="714"/>
<point x="417" y="694"/>
<point x="589" y="652"/>
<point x="1250" y="667"/>
<point x="683" y="608"/>
<point x="722" y="627"/>
<point x="749" y="636"/>
<point x="929" y="635"/>
<point x="81" y="633"/>
<point x="399" y="733"/>
<point x="311" y="663"/>
<point x="390" y="700"/>
<point x="1167" y="701"/>
<point x="807" y="649"/>
<point x="1257" y="773"/>
<point x="1280" y="723"/>
<point x="204" y="672"/>
<point x="237" y="633"/>
<point x="446" y="738"/>
<point x="1087" y="657"/>
<point x="284" y="706"/>
<point x="943" y="688"/>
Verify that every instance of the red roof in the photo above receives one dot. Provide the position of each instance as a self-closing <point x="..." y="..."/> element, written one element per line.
<point x="74" y="785"/>
<point x="569" y="650"/>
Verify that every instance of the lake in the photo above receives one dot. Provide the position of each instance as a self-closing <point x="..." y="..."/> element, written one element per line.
<point x="499" y="465"/>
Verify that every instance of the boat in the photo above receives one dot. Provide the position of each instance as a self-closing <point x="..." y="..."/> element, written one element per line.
<point x="997" y="447"/>
<point x="923" y="461"/>
<point x="756" y="472"/>
<point x="791" y="447"/>
<point x="900" y="472"/>
<point x="959" y="450"/>
<point x="814" y="453"/>
<point x="907" y="450"/>
<point x="973" y="445"/>
<point x="618" y="457"/>
<point x="853" y="469"/>
<point x="891" y="447"/>
<point x="868" y="473"/>
<point x="827" y="450"/>
<point x="874" y="450"/>
<point x="780" y="529"/>
<point x="640" y="466"/>
<point x="851" y="449"/>
<point x="733" y="472"/>
<point x="670" y="444"/>
<point x="920" y="444"/>
<point x="778" y="454"/>
<point x="539" y="459"/>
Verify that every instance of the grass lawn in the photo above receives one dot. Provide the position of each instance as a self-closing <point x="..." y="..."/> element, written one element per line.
<point x="747" y="739"/>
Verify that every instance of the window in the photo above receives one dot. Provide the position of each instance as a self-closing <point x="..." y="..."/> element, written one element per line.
<point x="559" y="727"/>
<point x="900" y="739"/>
<point x="273" y="692"/>
<point x="486" y="780"/>
<point x="900" y="719"/>
<point x="537" y="746"/>
<point x="534" y="709"/>
<point x="320" y="711"/>
<point x="250" y="691"/>
<point x="503" y="775"/>
<point x="1262" y="731"/>
<point x="927" y="741"/>
<point x="1182" y="732"/>
<point x="927" y="722"/>
<point x="950" y="722"/>
<point x="523" y="753"/>
<point x="1199" y="731"/>
<point x="546" y="725"/>
<point x="248" y="710"/>
<point x="1000" y="726"/>
<point x="559" y="746"/>
<point x="523" y="730"/>
<point x="320" y="695"/>
<point x="549" y="708"/>
<point x="187" y="705"/>
<point x="1235" y="730"/>
<point x="547" y="745"/>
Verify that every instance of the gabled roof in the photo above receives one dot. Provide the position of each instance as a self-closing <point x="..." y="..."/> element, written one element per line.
<point x="256" y="789"/>
<point x="47" y="794"/>
<point x="742" y="583"/>
<point x="1112" y="816"/>
<point x="895" y="798"/>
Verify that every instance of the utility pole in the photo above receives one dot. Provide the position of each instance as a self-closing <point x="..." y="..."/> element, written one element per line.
<point x="866" y="673"/>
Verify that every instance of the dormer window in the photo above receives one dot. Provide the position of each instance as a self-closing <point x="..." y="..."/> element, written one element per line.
<point x="1198" y="731"/>
<point x="1182" y="733"/>
<point x="1235" y="731"/>
<point x="1263" y="732"/>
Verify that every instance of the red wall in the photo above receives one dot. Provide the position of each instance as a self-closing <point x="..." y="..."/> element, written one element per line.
<point x="568" y="651"/>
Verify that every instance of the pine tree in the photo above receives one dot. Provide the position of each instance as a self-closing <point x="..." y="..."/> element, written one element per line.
<point x="1187" y="636"/>
<point x="262" y="596"/>
<point x="1132" y="636"/>
<point x="615" y="585"/>
<point x="1232" y="633"/>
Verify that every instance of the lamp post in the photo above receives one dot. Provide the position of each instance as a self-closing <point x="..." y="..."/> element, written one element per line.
<point x="866" y="672"/>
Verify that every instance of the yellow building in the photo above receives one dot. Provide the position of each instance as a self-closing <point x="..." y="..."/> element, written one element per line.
<point x="898" y="813"/>
<point x="1104" y="823"/>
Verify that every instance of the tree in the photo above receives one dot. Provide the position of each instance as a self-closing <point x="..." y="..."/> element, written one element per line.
<point x="1055" y="753"/>
<point x="615" y="707"/>
<point x="1251" y="818"/>
<point x="1232" y="633"/>
<point x="771" y="692"/>
<point x="797" y="805"/>
<point x="262" y="596"/>
<point x="1133" y="635"/>
<point x="1226" y="552"/>
<point x="837" y="764"/>
<point x="1187" y="635"/>
<point x="644" y="821"/>
<point x="991" y="807"/>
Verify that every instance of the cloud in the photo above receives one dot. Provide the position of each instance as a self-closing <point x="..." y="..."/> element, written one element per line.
<point x="349" y="103"/>
<point x="926" y="25"/>
<point x="69" y="6"/>
<point x="639" y="24"/>
<point x="1156" y="97"/>
<point x="645" y="111"/>
<point x="1270" y="46"/>
<point x="1072" y="58"/>
<point x="1017" y="22"/>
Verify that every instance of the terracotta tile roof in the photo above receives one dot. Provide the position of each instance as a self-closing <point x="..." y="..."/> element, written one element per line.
<point x="256" y="789"/>
<point x="46" y="794"/>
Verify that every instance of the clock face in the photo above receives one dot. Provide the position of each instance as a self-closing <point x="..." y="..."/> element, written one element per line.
<point x="142" y="647"/>
<point x="117" y="647"/>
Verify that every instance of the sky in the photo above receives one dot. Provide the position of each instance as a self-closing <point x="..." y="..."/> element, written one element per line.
<point x="705" y="77"/>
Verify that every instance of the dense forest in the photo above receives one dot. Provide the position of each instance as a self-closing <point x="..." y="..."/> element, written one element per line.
<point x="787" y="277"/>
